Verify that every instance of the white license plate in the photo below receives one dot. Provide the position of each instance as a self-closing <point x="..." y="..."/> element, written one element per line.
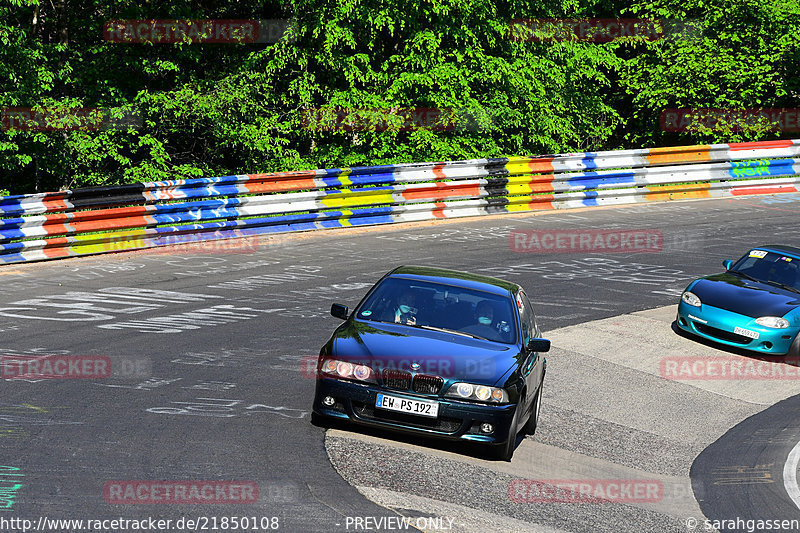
<point x="745" y="332"/>
<point x="404" y="405"/>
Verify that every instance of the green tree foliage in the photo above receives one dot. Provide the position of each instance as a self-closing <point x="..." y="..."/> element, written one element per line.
<point x="203" y="109"/>
<point x="732" y="54"/>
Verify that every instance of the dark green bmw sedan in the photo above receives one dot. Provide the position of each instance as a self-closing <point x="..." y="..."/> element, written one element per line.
<point x="437" y="352"/>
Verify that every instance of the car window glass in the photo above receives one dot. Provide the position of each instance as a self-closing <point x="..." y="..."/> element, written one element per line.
<point x="770" y="267"/>
<point x="420" y="303"/>
<point x="525" y="317"/>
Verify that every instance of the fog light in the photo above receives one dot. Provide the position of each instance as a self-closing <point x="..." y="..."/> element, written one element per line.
<point x="328" y="401"/>
<point x="486" y="427"/>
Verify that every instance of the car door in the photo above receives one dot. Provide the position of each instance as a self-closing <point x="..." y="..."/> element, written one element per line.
<point x="532" y="367"/>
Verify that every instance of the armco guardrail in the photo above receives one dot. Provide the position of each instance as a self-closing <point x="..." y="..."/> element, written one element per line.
<point x="144" y="215"/>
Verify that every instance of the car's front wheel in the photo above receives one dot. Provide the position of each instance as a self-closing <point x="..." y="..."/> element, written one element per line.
<point x="794" y="349"/>
<point x="536" y="407"/>
<point x="505" y="451"/>
<point x="321" y="421"/>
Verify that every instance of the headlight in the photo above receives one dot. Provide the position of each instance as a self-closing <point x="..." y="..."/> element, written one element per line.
<point x="468" y="391"/>
<point x="464" y="390"/>
<point x="346" y="370"/>
<point x="483" y="393"/>
<point x="691" y="298"/>
<point x="772" y="322"/>
<point x="361" y="372"/>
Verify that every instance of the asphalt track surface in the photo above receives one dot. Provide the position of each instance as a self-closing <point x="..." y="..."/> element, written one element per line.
<point x="210" y="351"/>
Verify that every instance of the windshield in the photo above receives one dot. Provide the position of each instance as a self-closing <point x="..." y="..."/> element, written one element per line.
<point x="770" y="267"/>
<point x="433" y="305"/>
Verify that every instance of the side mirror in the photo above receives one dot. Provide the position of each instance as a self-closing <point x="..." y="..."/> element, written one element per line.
<point x="727" y="264"/>
<point x="340" y="311"/>
<point x="539" y="345"/>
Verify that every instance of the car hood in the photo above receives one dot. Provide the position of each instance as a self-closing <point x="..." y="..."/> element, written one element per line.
<point x="453" y="357"/>
<point x="744" y="296"/>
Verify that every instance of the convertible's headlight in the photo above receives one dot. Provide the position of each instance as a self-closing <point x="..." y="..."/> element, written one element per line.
<point x="691" y="298"/>
<point x="468" y="391"/>
<point x="772" y="322"/>
<point x="346" y="370"/>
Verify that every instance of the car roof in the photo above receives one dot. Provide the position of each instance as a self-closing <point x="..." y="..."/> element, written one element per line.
<point x="780" y="248"/>
<point x="455" y="277"/>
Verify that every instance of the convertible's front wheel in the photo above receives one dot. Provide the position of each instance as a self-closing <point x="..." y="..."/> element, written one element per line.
<point x="794" y="349"/>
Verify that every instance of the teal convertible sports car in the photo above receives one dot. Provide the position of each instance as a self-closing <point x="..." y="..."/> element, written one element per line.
<point x="754" y="304"/>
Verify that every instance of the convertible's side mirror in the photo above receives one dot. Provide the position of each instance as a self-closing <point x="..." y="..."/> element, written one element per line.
<point x="539" y="345"/>
<point x="727" y="264"/>
<point x="339" y="311"/>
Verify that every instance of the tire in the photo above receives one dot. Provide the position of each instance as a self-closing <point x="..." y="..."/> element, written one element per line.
<point x="505" y="451"/>
<point x="320" y="421"/>
<point x="794" y="349"/>
<point x="536" y="407"/>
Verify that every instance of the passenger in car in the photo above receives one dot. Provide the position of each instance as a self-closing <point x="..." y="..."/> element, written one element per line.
<point x="405" y="312"/>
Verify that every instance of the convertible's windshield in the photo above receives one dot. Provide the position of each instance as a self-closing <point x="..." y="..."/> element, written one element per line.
<point x="443" y="307"/>
<point x="769" y="267"/>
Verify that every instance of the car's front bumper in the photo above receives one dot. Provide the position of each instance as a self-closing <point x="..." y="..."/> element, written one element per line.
<point x="457" y="420"/>
<point x="718" y="325"/>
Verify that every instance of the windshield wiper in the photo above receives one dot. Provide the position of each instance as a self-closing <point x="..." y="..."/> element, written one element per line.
<point x="776" y="283"/>
<point x="445" y="330"/>
<point x="783" y="286"/>
<point x="748" y="276"/>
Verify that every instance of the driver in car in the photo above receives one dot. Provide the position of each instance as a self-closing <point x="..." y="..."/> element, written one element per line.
<point x="484" y="316"/>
